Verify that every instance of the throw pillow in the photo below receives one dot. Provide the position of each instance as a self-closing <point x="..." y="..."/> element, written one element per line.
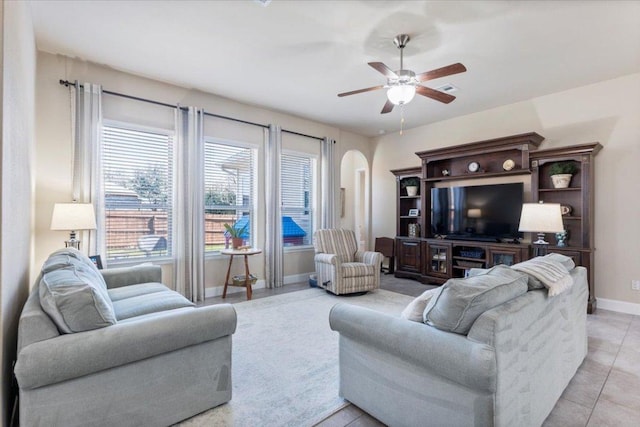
<point x="415" y="309"/>
<point x="532" y="282"/>
<point x="69" y="257"/>
<point x="462" y="301"/>
<point x="74" y="300"/>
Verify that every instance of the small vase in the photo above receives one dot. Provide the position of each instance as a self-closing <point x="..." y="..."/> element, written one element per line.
<point x="561" y="181"/>
<point x="412" y="190"/>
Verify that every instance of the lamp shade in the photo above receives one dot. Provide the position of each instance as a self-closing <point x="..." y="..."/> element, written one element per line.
<point x="73" y="216"/>
<point x="474" y="213"/>
<point x="541" y="218"/>
<point x="401" y="94"/>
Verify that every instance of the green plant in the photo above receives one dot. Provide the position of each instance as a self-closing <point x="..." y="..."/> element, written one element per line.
<point x="410" y="182"/>
<point x="235" y="233"/>
<point x="563" y="168"/>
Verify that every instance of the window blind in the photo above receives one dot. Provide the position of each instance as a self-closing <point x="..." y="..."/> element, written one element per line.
<point x="229" y="192"/>
<point x="296" y="183"/>
<point x="138" y="182"/>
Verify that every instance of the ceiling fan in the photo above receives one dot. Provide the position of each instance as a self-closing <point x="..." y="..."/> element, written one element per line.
<point x="403" y="84"/>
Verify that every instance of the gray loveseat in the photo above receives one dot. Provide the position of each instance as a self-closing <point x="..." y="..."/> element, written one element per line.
<point x="145" y="357"/>
<point x="508" y="370"/>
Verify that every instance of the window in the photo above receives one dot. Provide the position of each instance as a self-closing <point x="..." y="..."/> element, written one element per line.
<point x="229" y="191"/>
<point x="297" y="182"/>
<point x="138" y="183"/>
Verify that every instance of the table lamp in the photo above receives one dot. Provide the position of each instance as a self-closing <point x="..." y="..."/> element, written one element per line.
<point x="541" y="218"/>
<point x="73" y="217"/>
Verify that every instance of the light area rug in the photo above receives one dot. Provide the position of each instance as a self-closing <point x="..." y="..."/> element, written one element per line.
<point x="285" y="359"/>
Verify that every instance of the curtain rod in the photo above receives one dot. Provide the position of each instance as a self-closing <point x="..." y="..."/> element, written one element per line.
<point x="304" y="134"/>
<point x="67" y="83"/>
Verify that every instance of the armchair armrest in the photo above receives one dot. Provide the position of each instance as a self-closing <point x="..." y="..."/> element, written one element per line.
<point x="327" y="259"/>
<point x="446" y="354"/>
<point x="125" y="276"/>
<point x="369" y="257"/>
<point x="75" y="355"/>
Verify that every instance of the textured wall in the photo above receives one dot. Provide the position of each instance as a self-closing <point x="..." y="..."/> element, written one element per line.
<point x="18" y="99"/>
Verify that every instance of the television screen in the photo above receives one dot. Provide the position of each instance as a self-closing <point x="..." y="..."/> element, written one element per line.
<point x="483" y="212"/>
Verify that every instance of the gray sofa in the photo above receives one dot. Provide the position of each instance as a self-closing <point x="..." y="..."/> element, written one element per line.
<point x="509" y="370"/>
<point x="153" y="359"/>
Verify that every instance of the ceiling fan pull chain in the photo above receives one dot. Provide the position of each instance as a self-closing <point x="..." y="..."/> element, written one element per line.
<point x="401" y="118"/>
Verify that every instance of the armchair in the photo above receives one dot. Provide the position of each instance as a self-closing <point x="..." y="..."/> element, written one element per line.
<point x="340" y="267"/>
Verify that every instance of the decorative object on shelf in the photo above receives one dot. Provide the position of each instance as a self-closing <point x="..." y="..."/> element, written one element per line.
<point x="561" y="238"/>
<point x="413" y="230"/>
<point x="97" y="261"/>
<point x="566" y="209"/>
<point x="508" y="165"/>
<point x="445" y="172"/>
<point x="473" y="167"/>
<point x="561" y="173"/>
<point x="541" y="218"/>
<point x="414" y="212"/>
<point x="236" y="235"/>
<point x="73" y="217"/>
<point x="411" y="185"/>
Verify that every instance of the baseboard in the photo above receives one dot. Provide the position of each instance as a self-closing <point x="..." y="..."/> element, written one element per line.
<point x="619" y="306"/>
<point x="296" y="278"/>
<point x="216" y="291"/>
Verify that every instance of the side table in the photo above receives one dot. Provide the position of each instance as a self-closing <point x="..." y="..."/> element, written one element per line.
<point x="247" y="276"/>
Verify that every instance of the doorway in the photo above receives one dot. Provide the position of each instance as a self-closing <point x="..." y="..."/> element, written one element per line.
<point x="354" y="184"/>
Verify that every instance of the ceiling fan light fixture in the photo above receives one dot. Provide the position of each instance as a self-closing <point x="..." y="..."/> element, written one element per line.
<point x="401" y="94"/>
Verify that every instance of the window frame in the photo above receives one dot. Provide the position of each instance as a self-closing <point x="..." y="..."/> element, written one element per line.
<point x="314" y="199"/>
<point x="253" y="212"/>
<point x="160" y="259"/>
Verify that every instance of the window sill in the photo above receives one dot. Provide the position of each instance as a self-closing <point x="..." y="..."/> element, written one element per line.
<point x="304" y="248"/>
<point x="138" y="261"/>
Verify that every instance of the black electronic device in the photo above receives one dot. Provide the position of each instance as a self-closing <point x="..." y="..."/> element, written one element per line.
<point x="481" y="213"/>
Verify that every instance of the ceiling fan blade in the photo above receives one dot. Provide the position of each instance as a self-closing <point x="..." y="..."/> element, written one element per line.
<point x="380" y="67"/>
<point x="388" y="106"/>
<point x="441" y="72"/>
<point x="353" y="92"/>
<point x="434" y="94"/>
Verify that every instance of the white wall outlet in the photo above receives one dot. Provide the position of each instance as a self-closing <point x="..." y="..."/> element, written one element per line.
<point x="635" y="285"/>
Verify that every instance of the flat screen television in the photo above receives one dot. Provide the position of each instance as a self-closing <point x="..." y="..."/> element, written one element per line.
<point x="485" y="212"/>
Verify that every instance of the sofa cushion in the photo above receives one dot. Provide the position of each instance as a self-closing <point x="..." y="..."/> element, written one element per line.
<point x="532" y="282"/>
<point x="461" y="301"/>
<point x="68" y="257"/>
<point x="117" y="294"/>
<point x="415" y="310"/>
<point x="149" y="303"/>
<point x="357" y="269"/>
<point x="75" y="300"/>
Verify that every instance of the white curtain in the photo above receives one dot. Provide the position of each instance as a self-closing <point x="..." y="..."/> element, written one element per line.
<point x="328" y="184"/>
<point x="189" y="204"/>
<point x="273" y="250"/>
<point x="87" y="176"/>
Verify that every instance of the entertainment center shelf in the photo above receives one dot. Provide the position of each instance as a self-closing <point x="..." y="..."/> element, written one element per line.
<point x="430" y="258"/>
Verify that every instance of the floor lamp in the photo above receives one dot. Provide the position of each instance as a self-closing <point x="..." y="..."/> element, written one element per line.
<point x="541" y="218"/>
<point x="73" y="217"/>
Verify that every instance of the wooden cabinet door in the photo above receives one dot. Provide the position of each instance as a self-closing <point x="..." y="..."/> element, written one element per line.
<point x="438" y="260"/>
<point x="409" y="255"/>
<point x="505" y="256"/>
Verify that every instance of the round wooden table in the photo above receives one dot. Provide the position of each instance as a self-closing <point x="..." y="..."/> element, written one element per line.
<point x="247" y="276"/>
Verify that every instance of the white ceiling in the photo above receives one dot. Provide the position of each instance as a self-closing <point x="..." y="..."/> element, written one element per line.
<point x="296" y="56"/>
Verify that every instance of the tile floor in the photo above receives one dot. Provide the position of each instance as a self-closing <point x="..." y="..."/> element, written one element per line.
<point x="604" y="392"/>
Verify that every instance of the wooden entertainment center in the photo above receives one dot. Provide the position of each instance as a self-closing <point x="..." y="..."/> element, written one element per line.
<point x="423" y="256"/>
